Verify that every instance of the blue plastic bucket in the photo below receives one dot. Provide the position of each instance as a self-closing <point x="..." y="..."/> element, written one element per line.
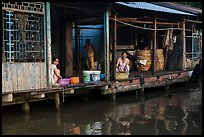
<point x="102" y="76"/>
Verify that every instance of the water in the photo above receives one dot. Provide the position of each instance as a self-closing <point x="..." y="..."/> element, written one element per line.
<point x="174" y="112"/>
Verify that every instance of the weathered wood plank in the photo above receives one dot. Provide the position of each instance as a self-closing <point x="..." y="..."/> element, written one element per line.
<point x="8" y="78"/>
<point x="20" y="76"/>
<point x="3" y="77"/>
<point x="37" y="74"/>
<point x="14" y="77"/>
<point x="40" y="75"/>
<point x="23" y="76"/>
<point x="43" y="75"/>
<point x="6" y="73"/>
<point x="26" y="81"/>
<point x="12" y="68"/>
<point x="32" y="76"/>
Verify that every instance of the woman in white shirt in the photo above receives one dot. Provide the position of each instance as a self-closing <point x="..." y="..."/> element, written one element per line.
<point x="55" y="72"/>
<point x="123" y="63"/>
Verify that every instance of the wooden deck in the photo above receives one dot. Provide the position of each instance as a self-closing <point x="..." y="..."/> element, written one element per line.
<point x="140" y="80"/>
<point x="137" y="81"/>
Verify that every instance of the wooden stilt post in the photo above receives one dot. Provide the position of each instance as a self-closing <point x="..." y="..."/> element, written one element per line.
<point x="167" y="87"/>
<point x="27" y="117"/>
<point x="142" y="90"/>
<point x="137" y="92"/>
<point x="113" y="96"/>
<point x="85" y="97"/>
<point x="26" y="107"/>
<point x="58" y="119"/>
<point x="142" y="82"/>
<point x="57" y="101"/>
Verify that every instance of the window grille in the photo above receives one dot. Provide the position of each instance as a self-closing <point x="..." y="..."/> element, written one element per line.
<point x="23" y="36"/>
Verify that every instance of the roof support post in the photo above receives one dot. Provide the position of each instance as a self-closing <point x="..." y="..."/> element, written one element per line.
<point x="184" y="44"/>
<point x="68" y="50"/>
<point x="76" y="46"/>
<point x="106" y="45"/>
<point x="114" y="49"/>
<point x="155" y="44"/>
<point x="48" y="56"/>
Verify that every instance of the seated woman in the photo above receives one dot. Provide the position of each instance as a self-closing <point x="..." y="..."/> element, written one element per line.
<point x="123" y="63"/>
<point x="55" y="72"/>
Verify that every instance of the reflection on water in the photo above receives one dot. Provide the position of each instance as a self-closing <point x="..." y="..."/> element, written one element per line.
<point x="175" y="114"/>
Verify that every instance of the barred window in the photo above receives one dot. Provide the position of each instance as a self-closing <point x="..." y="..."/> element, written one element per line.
<point x="23" y="37"/>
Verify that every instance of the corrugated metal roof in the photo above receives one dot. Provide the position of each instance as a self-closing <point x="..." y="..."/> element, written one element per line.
<point x="150" y="6"/>
<point x="180" y="7"/>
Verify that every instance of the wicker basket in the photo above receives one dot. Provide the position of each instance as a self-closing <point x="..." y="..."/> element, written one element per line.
<point x="121" y="76"/>
<point x="143" y="55"/>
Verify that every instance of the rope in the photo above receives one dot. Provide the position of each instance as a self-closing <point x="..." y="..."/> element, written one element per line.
<point x="147" y="28"/>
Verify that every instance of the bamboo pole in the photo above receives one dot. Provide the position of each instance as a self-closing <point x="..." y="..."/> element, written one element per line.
<point x="147" y="28"/>
<point x="24" y="11"/>
<point x="146" y="22"/>
<point x="194" y="21"/>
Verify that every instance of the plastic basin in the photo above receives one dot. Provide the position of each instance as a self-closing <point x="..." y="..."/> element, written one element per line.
<point x="64" y="81"/>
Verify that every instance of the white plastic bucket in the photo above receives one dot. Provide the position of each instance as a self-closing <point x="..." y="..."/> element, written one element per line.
<point x="96" y="76"/>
